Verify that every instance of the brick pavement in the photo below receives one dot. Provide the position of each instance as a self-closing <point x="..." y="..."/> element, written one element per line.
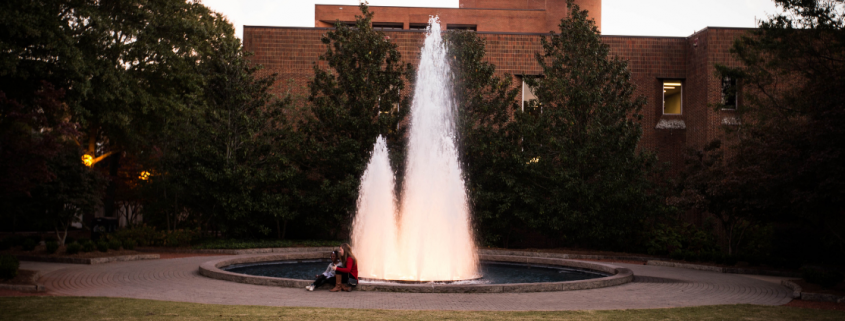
<point x="177" y="280"/>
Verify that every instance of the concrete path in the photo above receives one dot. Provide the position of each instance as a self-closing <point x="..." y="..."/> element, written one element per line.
<point x="177" y="280"/>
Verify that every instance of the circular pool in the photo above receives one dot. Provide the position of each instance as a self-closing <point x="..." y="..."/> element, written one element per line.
<point x="504" y="272"/>
<point x="493" y="272"/>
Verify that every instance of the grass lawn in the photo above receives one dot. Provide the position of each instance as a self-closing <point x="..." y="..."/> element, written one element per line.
<point x="82" y="308"/>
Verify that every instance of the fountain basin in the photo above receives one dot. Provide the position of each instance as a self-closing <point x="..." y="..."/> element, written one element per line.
<point x="615" y="275"/>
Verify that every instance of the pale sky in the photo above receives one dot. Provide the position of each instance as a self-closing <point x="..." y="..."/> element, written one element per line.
<point x="619" y="17"/>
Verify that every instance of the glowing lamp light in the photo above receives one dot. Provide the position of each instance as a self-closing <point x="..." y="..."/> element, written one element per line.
<point x="88" y="160"/>
<point x="145" y="175"/>
<point x="533" y="160"/>
<point x="671" y="84"/>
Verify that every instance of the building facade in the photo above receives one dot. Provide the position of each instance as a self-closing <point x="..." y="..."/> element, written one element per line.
<point x="676" y="75"/>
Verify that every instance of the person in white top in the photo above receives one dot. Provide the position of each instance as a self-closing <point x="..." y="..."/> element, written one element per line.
<point x="329" y="274"/>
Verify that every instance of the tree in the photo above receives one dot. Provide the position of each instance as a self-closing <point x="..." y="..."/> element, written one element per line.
<point x="228" y="164"/>
<point x="356" y="99"/>
<point x="578" y="175"/>
<point x="792" y="114"/>
<point x="484" y="102"/>
<point x="126" y="66"/>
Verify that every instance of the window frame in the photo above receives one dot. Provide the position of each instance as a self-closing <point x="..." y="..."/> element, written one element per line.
<point x="735" y="85"/>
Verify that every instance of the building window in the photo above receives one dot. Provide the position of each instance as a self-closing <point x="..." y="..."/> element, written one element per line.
<point x="387" y="25"/>
<point x="529" y="99"/>
<point x="461" y="27"/>
<point x="729" y="91"/>
<point x="673" y="97"/>
<point x="417" y="26"/>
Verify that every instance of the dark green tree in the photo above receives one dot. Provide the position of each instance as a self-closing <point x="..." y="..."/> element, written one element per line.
<point x="353" y="101"/>
<point x="485" y="102"/>
<point x="792" y="124"/>
<point x="579" y="176"/>
<point x="228" y="164"/>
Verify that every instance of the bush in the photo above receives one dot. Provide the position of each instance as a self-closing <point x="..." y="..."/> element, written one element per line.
<point x="52" y="247"/>
<point x="4" y="245"/>
<point x="28" y="244"/>
<point x="129" y="245"/>
<point x="88" y="246"/>
<point x="73" y="248"/>
<point x="827" y="279"/>
<point x="730" y="260"/>
<point x="69" y="240"/>
<point x="8" y="266"/>
<point x="14" y="240"/>
<point x="114" y="245"/>
<point x="102" y="246"/>
<point x="147" y="235"/>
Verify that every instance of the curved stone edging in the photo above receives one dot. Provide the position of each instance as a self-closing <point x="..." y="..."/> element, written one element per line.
<point x="619" y="275"/>
<point x="89" y="261"/>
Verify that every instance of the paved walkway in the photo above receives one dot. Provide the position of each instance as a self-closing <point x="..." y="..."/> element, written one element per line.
<point x="177" y="280"/>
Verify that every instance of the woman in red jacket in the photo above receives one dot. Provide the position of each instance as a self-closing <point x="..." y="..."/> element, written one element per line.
<point x="348" y="274"/>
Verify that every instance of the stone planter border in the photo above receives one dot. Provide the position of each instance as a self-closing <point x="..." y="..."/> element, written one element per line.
<point x="89" y="261"/>
<point x="619" y="275"/>
<point x="719" y="269"/>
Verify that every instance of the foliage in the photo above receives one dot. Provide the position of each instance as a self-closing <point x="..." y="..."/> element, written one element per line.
<point x="150" y="236"/>
<point x="52" y="247"/>
<point x="254" y="244"/>
<point x="129" y="245"/>
<point x="8" y="266"/>
<point x="574" y="171"/>
<point x="484" y="101"/>
<point x="102" y="246"/>
<point x="73" y="248"/>
<point x="114" y="245"/>
<point x="29" y="245"/>
<point x="786" y="162"/>
<point x="353" y="101"/>
<point x="87" y="246"/>
<point x="821" y="277"/>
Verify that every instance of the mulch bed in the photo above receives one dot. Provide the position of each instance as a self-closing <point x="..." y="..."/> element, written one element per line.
<point x="40" y="251"/>
<point x="816" y="305"/>
<point x="165" y="255"/>
<point x="839" y="289"/>
<point x="4" y="292"/>
<point x="25" y="277"/>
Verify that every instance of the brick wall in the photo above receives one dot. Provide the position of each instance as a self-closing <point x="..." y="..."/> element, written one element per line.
<point x="291" y="53"/>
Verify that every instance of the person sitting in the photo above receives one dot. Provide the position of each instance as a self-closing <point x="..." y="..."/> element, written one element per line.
<point x="329" y="274"/>
<point x="347" y="275"/>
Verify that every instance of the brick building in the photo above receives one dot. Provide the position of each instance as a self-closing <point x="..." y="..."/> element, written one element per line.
<point x="675" y="74"/>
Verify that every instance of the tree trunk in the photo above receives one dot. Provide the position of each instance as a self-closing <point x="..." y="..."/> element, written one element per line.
<point x="278" y="230"/>
<point x="109" y="206"/>
<point x="284" y="229"/>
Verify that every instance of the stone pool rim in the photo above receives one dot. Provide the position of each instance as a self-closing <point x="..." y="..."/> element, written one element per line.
<point x="618" y="275"/>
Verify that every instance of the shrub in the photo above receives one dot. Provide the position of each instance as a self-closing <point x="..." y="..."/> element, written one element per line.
<point x="28" y="244"/>
<point x="827" y="279"/>
<point x="129" y="245"/>
<point x="14" y="240"/>
<point x="52" y="246"/>
<point x="72" y="248"/>
<point x="147" y="235"/>
<point x="8" y="266"/>
<point x="102" y="246"/>
<point x="731" y="260"/>
<point x="69" y="240"/>
<point x="114" y="245"/>
<point x="677" y="255"/>
<point x="4" y="245"/>
<point x="88" y="246"/>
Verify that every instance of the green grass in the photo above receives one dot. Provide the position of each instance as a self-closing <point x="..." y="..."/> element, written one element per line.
<point x="82" y="308"/>
<point x="247" y="244"/>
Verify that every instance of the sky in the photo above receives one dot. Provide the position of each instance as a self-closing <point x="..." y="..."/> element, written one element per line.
<point x="678" y="18"/>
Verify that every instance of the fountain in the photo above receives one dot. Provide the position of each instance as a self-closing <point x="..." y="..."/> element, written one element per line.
<point x="423" y="241"/>
<point x="427" y="235"/>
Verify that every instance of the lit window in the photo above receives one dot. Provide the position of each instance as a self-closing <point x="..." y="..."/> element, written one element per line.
<point x="673" y="98"/>
<point x="729" y="91"/>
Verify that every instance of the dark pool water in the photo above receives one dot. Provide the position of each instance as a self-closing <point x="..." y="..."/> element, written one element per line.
<point x="494" y="272"/>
